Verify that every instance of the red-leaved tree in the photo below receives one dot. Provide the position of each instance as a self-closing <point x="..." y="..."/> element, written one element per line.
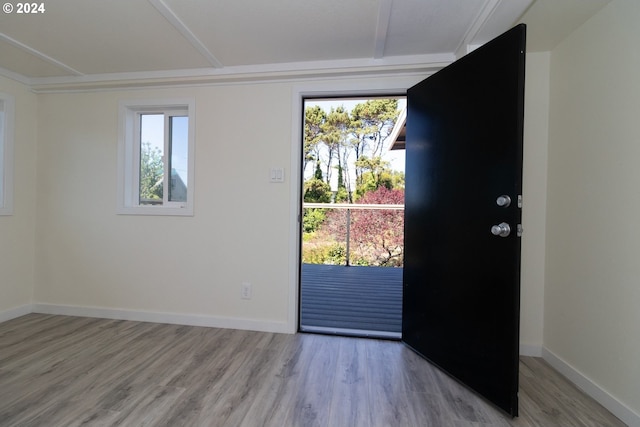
<point x="377" y="236"/>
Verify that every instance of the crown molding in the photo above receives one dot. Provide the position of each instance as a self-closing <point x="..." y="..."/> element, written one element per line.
<point x="15" y="76"/>
<point x="239" y="74"/>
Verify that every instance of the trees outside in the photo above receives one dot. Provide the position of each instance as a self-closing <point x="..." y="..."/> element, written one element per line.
<point x="376" y="236"/>
<point x="346" y="149"/>
<point x="151" y="173"/>
<point x="379" y="234"/>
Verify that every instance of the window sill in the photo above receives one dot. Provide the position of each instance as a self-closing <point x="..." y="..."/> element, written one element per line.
<point x="156" y="210"/>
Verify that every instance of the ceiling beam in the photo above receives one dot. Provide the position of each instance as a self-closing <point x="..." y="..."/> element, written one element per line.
<point x="483" y="16"/>
<point x="39" y="54"/>
<point x="382" y="28"/>
<point x="174" y="20"/>
<point x="15" y="76"/>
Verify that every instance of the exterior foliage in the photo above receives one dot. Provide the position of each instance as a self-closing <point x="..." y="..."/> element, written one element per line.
<point x="379" y="234"/>
<point x="345" y="149"/>
<point x="376" y="236"/>
<point x="151" y="173"/>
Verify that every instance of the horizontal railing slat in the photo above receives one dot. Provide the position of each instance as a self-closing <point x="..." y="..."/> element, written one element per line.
<point x="351" y="206"/>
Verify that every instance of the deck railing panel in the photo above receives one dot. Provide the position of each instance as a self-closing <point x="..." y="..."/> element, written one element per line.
<point x="348" y="208"/>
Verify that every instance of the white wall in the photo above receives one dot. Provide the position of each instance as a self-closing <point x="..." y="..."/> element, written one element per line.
<point x="592" y="293"/>
<point x="242" y="230"/>
<point x="87" y="256"/>
<point x="17" y="230"/>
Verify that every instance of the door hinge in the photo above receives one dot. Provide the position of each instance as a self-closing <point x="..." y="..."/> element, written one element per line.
<point x="520" y="201"/>
<point x="519" y="230"/>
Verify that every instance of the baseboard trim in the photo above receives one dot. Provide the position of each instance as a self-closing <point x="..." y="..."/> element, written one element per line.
<point x="615" y="406"/>
<point x="178" y="319"/>
<point x="15" y="312"/>
<point x="156" y="317"/>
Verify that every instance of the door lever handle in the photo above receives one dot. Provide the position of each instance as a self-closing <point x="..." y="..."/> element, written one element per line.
<point x="502" y="229"/>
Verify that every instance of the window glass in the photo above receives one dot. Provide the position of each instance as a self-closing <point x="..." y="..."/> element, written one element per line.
<point x="178" y="163"/>
<point x="151" y="159"/>
<point x="155" y="157"/>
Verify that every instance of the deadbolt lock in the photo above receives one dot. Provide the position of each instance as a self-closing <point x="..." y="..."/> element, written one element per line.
<point x="503" y="201"/>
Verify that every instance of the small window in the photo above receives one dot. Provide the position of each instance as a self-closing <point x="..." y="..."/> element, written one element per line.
<point x="6" y="153"/>
<point x="156" y="157"/>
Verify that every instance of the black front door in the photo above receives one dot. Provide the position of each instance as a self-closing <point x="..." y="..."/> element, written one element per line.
<point x="463" y="181"/>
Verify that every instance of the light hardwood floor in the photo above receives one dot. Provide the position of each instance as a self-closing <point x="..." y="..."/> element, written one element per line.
<point x="73" y="371"/>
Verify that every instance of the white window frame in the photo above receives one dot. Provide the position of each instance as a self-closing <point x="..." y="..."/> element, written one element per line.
<point x="129" y="156"/>
<point x="6" y="153"/>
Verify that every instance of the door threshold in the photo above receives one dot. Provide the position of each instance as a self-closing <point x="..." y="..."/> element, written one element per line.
<point x="351" y="332"/>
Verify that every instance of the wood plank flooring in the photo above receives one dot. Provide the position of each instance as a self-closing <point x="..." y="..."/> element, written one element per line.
<point x="73" y="371"/>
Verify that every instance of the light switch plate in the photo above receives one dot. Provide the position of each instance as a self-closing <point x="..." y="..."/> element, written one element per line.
<point x="276" y="175"/>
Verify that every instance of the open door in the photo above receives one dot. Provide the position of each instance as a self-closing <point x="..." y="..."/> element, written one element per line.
<point x="462" y="215"/>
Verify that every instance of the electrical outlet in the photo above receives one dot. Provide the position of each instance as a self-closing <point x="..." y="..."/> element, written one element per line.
<point x="245" y="290"/>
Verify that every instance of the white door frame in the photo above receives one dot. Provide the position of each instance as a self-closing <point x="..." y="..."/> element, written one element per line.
<point x="379" y="86"/>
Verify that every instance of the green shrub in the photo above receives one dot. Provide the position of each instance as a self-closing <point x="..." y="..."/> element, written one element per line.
<point x="312" y="219"/>
<point x="331" y="254"/>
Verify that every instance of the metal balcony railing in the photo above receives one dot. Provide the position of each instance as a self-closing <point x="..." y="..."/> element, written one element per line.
<point x="349" y="208"/>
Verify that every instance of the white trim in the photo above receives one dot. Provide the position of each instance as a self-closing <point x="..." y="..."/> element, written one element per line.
<point x="15" y="76"/>
<point x="295" y="209"/>
<point x="128" y="161"/>
<point x="252" y="80"/>
<point x="382" y="28"/>
<point x="298" y="93"/>
<point x="401" y="122"/>
<point x="14" y="313"/>
<point x="586" y="384"/>
<point x="483" y="16"/>
<point x="245" y="73"/>
<point x="39" y="54"/>
<point x="7" y="154"/>
<point x="177" y="23"/>
<point x="159" y="317"/>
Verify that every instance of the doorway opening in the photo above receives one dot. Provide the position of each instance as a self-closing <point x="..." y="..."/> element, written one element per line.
<point x="352" y="232"/>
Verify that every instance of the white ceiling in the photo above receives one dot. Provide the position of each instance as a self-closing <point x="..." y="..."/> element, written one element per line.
<point x="81" y="43"/>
